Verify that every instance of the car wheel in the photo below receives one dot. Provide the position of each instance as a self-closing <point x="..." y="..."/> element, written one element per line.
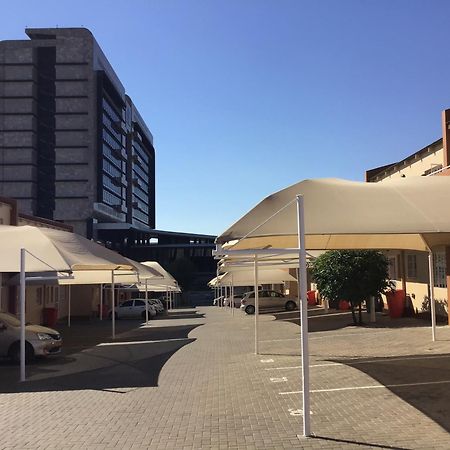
<point x="14" y="352"/>
<point x="250" y="309"/>
<point x="290" y="306"/>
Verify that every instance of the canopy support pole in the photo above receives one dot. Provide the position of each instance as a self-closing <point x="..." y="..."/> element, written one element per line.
<point x="146" y="303"/>
<point x="113" y="303"/>
<point x="256" y="306"/>
<point x="167" y="299"/>
<point x="69" y="301"/>
<point x="22" y="314"/>
<point x="303" y="316"/>
<point x="232" y="296"/>
<point x="432" y="303"/>
<point x="101" y="302"/>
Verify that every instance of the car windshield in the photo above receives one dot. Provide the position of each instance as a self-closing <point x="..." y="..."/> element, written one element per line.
<point x="9" y="319"/>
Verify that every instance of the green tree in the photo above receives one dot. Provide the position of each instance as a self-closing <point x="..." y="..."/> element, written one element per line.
<point x="352" y="275"/>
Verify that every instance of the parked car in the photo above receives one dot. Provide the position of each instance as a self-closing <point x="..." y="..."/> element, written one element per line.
<point x="132" y="309"/>
<point x="157" y="304"/>
<point x="39" y="341"/>
<point x="267" y="299"/>
<point x="237" y="300"/>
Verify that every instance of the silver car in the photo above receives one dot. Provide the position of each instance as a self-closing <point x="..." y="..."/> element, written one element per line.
<point x="267" y="299"/>
<point x="39" y="340"/>
<point x="134" y="308"/>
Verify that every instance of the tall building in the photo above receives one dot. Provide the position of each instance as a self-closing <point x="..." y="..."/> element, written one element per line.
<point x="73" y="146"/>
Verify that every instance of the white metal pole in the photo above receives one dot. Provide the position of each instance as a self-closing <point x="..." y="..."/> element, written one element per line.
<point x="69" y="299"/>
<point x="303" y="316"/>
<point x="432" y="303"/>
<point x="101" y="302"/>
<point x="146" y="303"/>
<point x="113" y="302"/>
<point x="167" y="298"/>
<point x="232" y="295"/>
<point x="256" y="305"/>
<point x="22" y="314"/>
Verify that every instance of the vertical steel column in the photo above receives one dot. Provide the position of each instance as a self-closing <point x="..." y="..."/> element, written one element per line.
<point x="101" y="302"/>
<point x="22" y="314"/>
<point x="303" y="316"/>
<point x="256" y="305"/>
<point x="146" y="303"/>
<point x="113" y="302"/>
<point x="69" y="300"/>
<point x="432" y="303"/>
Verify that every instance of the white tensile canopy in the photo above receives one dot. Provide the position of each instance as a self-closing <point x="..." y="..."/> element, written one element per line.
<point x="405" y="213"/>
<point x="33" y="249"/>
<point x="246" y="278"/>
<point x="324" y="214"/>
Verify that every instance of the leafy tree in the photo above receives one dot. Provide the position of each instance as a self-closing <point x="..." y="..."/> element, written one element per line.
<point x="352" y="275"/>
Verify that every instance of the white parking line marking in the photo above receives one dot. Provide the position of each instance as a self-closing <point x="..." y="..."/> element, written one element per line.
<point x="369" y="361"/>
<point x="373" y="386"/>
<point x="267" y="360"/>
<point x="107" y="344"/>
<point x="278" y="380"/>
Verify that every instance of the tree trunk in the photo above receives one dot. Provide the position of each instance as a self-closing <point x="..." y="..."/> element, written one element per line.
<point x="360" y="314"/>
<point x="353" y="313"/>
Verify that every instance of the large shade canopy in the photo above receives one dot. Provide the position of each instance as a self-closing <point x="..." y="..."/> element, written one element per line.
<point x="247" y="278"/>
<point x="404" y="213"/>
<point x="166" y="278"/>
<point x="49" y="249"/>
<point x="139" y="274"/>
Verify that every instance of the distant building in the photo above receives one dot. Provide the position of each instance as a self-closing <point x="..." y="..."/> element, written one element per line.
<point x="409" y="268"/>
<point x="74" y="148"/>
<point x="73" y="145"/>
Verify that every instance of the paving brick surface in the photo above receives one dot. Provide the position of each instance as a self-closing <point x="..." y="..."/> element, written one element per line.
<point x="192" y="381"/>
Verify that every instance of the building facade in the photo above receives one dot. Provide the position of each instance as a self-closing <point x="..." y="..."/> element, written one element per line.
<point x="73" y="146"/>
<point x="409" y="269"/>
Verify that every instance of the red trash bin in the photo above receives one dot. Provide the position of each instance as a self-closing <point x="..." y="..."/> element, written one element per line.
<point x="396" y="303"/>
<point x="105" y="309"/>
<point x="50" y="316"/>
<point x="344" y="305"/>
<point x="311" y="295"/>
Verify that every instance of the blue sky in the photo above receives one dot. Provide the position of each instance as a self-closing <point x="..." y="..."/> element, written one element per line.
<point x="245" y="97"/>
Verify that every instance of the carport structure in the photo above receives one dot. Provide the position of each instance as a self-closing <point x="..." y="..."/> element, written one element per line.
<point x="28" y="249"/>
<point x="325" y="214"/>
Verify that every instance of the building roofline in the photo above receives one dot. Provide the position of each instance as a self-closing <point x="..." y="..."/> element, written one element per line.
<point x="393" y="167"/>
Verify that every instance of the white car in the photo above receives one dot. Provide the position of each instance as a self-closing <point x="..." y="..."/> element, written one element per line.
<point x="39" y="341"/>
<point x="156" y="303"/>
<point x="237" y="300"/>
<point x="267" y="299"/>
<point x="134" y="308"/>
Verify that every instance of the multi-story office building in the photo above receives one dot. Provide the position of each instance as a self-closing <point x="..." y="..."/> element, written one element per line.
<point x="73" y="146"/>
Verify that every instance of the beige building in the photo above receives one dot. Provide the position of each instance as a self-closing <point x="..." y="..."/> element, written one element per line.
<point x="409" y="270"/>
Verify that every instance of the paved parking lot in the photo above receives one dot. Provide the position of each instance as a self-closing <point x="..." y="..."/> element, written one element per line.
<point x="192" y="381"/>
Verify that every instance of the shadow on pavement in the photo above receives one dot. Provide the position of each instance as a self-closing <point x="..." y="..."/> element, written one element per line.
<point x="89" y="361"/>
<point x="336" y="319"/>
<point x="421" y="380"/>
<point x="364" y="444"/>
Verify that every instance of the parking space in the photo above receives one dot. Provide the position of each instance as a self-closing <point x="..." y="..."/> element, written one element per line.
<point x="191" y="380"/>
